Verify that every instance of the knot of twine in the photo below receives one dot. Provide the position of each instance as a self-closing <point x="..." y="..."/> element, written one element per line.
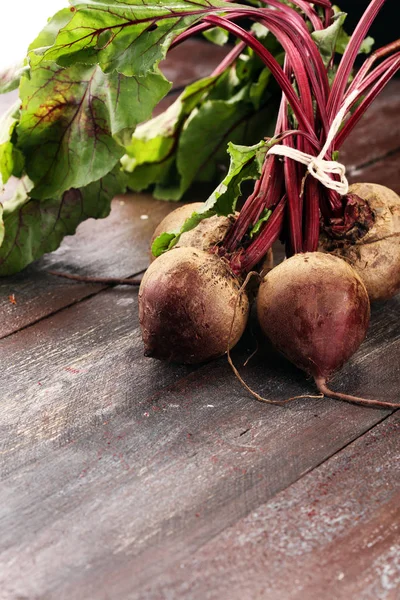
<point x="316" y="165"/>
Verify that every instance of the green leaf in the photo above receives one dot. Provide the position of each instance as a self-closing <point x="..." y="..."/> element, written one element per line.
<point x="246" y="163"/>
<point x="130" y="37"/>
<point x="217" y="36"/>
<point x="259" y="87"/>
<point x="327" y="38"/>
<point x="260" y="30"/>
<point x="204" y="135"/>
<point x="11" y="159"/>
<point x="8" y="121"/>
<point x="152" y="150"/>
<point x="152" y="141"/>
<point x="163" y="242"/>
<point x="12" y="162"/>
<point x="367" y="45"/>
<point x="33" y="227"/>
<point x="335" y="39"/>
<point x="265" y="215"/>
<point x="343" y="40"/>
<point x="188" y="142"/>
<point x="72" y="118"/>
<point x="48" y="35"/>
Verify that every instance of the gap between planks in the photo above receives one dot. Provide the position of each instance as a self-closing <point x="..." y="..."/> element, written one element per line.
<point x="356" y="168"/>
<point x="101" y="288"/>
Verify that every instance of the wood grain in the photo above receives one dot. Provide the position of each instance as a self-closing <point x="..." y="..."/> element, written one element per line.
<point x="385" y="171"/>
<point x="192" y="60"/>
<point x="334" y="534"/>
<point x="112" y="473"/>
<point x="116" y="246"/>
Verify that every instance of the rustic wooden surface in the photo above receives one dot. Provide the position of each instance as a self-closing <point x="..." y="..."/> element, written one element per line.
<point x="125" y="478"/>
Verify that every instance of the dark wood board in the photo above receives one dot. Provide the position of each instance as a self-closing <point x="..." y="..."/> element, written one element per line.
<point x="192" y="60"/>
<point x="116" y="246"/>
<point x="385" y="171"/>
<point x="112" y="473"/>
<point x="334" y="534"/>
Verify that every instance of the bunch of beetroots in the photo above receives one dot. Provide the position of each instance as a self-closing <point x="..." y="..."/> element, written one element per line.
<point x="342" y="249"/>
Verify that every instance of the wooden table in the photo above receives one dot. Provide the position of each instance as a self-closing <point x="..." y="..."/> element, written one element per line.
<point x="126" y="478"/>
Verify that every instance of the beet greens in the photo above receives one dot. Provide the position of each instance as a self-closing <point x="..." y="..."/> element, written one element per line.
<point x="92" y="75"/>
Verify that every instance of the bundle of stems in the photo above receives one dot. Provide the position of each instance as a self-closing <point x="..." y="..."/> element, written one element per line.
<point x="314" y="91"/>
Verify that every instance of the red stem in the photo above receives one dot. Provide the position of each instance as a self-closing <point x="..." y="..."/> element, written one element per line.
<point x="311" y="217"/>
<point x="306" y="8"/>
<point x="311" y="61"/>
<point x="373" y="77"/>
<point x="254" y="204"/>
<point x="266" y="192"/>
<point x="292" y="190"/>
<point x="298" y="67"/>
<point x="270" y="62"/>
<point x="257" y="250"/>
<point x="366" y="103"/>
<point x="366" y="67"/>
<point x="349" y="57"/>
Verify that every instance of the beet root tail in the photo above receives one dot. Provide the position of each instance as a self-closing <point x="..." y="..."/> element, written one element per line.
<point x="320" y="382"/>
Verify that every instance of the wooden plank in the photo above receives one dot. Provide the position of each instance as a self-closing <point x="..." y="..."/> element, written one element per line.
<point x="116" y="246"/>
<point x="333" y="534"/>
<point x="112" y="472"/>
<point x="192" y="60"/>
<point x="385" y="171"/>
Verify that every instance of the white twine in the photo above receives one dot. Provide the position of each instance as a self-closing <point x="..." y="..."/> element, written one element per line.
<point x="316" y="165"/>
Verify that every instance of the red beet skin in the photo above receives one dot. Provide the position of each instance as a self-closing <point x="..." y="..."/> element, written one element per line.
<point x="315" y="309"/>
<point x="188" y="302"/>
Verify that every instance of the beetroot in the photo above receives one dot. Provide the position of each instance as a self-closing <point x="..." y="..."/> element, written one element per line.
<point x="315" y="310"/>
<point x="188" y="299"/>
<point x="376" y="255"/>
<point x="205" y="236"/>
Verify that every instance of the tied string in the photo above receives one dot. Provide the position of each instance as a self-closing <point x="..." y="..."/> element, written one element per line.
<point x="316" y="165"/>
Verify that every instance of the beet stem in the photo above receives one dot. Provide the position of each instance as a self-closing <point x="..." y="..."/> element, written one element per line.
<point x="320" y="382"/>
<point x="269" y="60"/>
<point x="102" y="280"/>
